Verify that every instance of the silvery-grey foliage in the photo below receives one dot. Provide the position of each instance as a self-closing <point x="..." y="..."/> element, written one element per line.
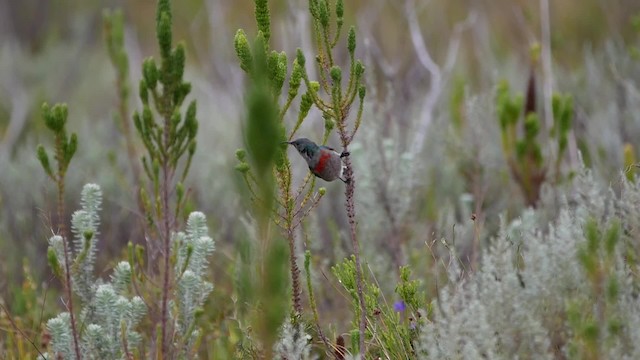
<point x="518" y="303"/>
<point x="108" y="316"/>
<point x="294" y="343"/>
<point x="194" y="248"/>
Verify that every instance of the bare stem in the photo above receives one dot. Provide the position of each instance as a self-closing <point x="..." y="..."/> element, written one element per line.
<point x="166" y="234"/>
<point x="62" y="229"/>
<point x="296" y="293"/>
<point x="351" y="216"/>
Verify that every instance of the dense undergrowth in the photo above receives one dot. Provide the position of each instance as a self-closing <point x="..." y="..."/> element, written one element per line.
<point x="489" y="216"/>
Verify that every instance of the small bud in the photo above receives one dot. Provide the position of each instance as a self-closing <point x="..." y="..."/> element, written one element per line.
<point x="322" y="191"/>
<point x="306" y="101"/>
<point x="176" y="117"/>
<point x="241" y="154"/>
<point x="329" y="123"/>
<point x="295" y="80"/>
<point x="243" y="51"/>
<point x="150" y="72"/>
<point x="60" y="111"/>
<point x="53" y="122"/>
<point x="147" y="117"/>
<point x="191" y="111"/>
<point x="192" y="147"/>
<point x="359" y="68"/>
<point x="351" y="40"/>
<point x="263" y="18"/>
<point x="340" y="9"/>
<point x="144" y="92"/>
<point x="163" y="30"/>
<point x="178" y="62"/>
<point x="88" y="235"/>
<point x="300" y="57"/>
<point x="243" y="167"/>
<point x="323" y="13"/>
<point x="52" y="258"/>
<point x="315" y="86"/>
<point x="336" y="74"/>
<point x="179" y="190"/>
<point x="362" y="91"/>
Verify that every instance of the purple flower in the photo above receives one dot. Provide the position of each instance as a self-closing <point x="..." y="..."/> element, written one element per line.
<point x="399" y="306"/>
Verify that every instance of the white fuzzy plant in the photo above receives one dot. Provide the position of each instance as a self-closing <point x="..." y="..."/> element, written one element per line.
<point x="108" y="318"/>
<point x="294" y="343"/>
<point x="519" y="304"/>
<point x="194" y="247"/>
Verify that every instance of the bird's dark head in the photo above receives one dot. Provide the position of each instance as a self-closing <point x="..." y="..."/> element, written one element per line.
<point x="305" y="147"/>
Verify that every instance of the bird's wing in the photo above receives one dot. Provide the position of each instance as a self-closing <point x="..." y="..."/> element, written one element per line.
<point x="330" y="149"/>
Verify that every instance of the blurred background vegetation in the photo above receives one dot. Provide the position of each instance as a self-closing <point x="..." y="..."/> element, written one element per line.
<point x="54" y="51"/>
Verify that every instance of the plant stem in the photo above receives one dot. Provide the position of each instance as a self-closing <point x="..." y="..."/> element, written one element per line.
<point x="351" y="216"/>
<point x="166" y="231"/>
<point x="296" y="292"/>
<point x="296" y="295"/>
<point x="62" y="228"/>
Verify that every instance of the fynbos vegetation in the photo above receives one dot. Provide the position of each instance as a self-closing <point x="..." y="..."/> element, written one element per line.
<point x="464" y="197"/>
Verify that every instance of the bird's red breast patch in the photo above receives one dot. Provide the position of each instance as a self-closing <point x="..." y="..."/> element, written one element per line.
<point x="322" y="161"/>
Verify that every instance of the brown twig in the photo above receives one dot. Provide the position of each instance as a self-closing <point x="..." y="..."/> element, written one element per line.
<point x="166" y="238"/>
<point x="351" y="216"/>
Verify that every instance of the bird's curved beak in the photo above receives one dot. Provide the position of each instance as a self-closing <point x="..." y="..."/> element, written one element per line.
<point x="286" y="142"/>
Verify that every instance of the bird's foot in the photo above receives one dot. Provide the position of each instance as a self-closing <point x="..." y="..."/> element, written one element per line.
<point x="345" y="154"/>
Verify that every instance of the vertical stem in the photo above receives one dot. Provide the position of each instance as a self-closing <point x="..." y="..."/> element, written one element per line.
<point x="166" y="244"/>
<point x="296" y="292"/>
<point x="62" y="228"/>
<point x="166" y="228"/>
<point x="351" y="215"/>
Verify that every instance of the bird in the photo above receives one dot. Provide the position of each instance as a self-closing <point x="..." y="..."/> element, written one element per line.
<point x="324" y="162"/>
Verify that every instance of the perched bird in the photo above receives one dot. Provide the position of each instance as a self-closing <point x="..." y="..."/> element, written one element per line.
<point x="324" y="162"/>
